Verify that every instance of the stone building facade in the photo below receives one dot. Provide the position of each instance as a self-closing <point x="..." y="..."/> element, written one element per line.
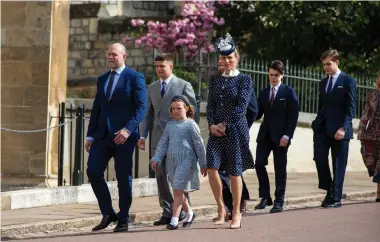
<point x="43" y="45"/>
<point x="92" y="31"/>
<point x="33" y="81"/>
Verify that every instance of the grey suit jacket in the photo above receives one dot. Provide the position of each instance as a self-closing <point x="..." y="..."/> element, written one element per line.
<point x="158" y="107"/>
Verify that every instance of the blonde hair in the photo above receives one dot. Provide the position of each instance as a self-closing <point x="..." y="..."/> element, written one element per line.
<point x="236" y="52"/>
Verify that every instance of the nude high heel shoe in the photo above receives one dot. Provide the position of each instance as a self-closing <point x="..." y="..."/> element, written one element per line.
<point x="222" y="217"/>
<point x="236" y="223"/>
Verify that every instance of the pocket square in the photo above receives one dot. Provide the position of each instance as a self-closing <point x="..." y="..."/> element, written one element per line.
<point x="281" y="99"/>
<point x="340" y="86"/>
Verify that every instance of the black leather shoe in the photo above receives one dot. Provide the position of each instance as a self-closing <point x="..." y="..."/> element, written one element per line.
<point x="171" y="227"/>
<point x="334" y="204"/>
<point x="264" y="202"/>
<point x="188" y="224"/>
<point x="161" y="221"/>
<point x="106" y="220"/>
<point x="327" y="200"/>
<point x="277" y="208"/>
<point x="121" y="227"/>
<point x="378" y="200"/>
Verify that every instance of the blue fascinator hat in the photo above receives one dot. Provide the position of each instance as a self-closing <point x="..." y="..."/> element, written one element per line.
<point x="225" y="45"/>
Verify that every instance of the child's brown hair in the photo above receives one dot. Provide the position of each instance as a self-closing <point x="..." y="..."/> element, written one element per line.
<point x="190" y="109"/>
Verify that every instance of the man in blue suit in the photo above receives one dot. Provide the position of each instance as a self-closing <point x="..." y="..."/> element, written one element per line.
<point x="279" y="105"/>
<point x="118" y="108"/>
<point x="333" y="127"/>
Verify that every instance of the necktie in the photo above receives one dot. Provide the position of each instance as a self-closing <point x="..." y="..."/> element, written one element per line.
<point x="272" y="97"/>
<point x="163" y="89"/>
<point x="110" y="84"/>
<point x="329" y="88"/>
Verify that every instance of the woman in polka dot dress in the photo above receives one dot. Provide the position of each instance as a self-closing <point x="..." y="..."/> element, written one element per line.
<point x="228" y="144"/>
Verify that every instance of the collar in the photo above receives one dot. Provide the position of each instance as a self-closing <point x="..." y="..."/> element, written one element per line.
<point x="336" y="74"/>
<point x="277" y="86"/>
<point x="166" y="80"/>
<point x="232" y="73"/>
<point x="119" y="70"/>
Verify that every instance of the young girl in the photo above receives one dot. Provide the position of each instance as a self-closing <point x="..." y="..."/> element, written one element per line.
<point x="185" y="153"/>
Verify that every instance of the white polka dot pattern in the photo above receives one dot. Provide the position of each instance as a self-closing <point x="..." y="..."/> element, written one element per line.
<point x="228" y="101"/>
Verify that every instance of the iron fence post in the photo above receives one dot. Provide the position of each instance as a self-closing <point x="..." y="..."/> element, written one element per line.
<point x="61" y="140"/>
<point x="71" y="144"/>
<point x="79" y="141"/>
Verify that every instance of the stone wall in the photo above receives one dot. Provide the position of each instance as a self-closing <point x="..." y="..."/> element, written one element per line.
<point x="90" y="36"/>
<point x="29" y="88"/>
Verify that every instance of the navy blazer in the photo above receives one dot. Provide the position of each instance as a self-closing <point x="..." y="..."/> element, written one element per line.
<point x="282" y="118"/>
<point x="252" y="109"/>
<point x="127" y="106"/>
<point x="337" y="109"/>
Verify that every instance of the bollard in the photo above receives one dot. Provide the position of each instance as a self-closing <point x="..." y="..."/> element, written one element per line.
<point x="61" y="142"/>
<point x="79" y="141"/>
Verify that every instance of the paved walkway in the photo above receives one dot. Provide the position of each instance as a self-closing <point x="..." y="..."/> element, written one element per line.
<point x="299" y="185"/>
<point x="310" y="224"/>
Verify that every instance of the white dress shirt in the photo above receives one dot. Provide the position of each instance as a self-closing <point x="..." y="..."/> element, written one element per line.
<point x="166" y="82"/>
<point x="334" y="78"/>
<point x="275" y="90"/>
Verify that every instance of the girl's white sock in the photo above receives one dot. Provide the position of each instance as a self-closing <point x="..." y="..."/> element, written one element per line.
<point x="189" y="215"/>
<point x="174" y="221"/>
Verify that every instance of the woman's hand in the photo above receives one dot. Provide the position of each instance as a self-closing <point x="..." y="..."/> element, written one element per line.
<point x="222" y="127"/>
<point x="204" y="172"/>
<point x="153" y="164"/>
<point x="215" y="130"/>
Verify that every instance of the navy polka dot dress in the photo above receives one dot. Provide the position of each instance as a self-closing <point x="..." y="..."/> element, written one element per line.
<point x="227" y="102"/>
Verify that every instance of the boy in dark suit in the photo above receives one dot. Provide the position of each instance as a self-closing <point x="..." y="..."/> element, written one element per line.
<point x="333" y="127"/>
<point x="279" y="105"/>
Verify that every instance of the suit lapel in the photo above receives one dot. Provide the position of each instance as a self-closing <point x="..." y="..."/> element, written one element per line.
<point x="267" y="97"/>
<point x="172" y="86"/>
<point x="323" y="86"/>
<point x="103" y="85"/>
<point x="339" y="82"/>
<point x="279" y="92"/>
<point x="120" y="84"/>
<point x="156" y="94"/>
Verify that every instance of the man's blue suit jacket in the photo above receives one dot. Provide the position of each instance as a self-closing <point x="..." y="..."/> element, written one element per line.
<point x="281" y="119"/>
<point x="337" y="109"/>
<point x="126" y="109"/>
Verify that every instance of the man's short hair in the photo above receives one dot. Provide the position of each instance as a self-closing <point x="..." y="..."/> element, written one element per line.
<point x="333" y="54"/>
<point x="278" y="66"/>
<point x="164" y="57"/>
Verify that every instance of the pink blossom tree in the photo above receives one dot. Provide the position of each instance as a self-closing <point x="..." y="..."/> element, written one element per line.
<point x="190" y="32"/>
